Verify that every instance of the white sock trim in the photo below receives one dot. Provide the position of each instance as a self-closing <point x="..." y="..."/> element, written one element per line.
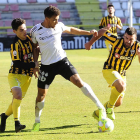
<point x="38" y="110"/>
<point x="86" y="89"/>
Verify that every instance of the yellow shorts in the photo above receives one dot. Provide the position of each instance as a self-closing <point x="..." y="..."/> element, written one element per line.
<point x="19" y="80"/>
<point x="111" y="76"/>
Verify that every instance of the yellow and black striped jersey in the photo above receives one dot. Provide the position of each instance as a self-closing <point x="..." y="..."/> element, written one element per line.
<point x="113" y="21"/>
<point x="120" y="57"/>
<point x="21" y="51"/>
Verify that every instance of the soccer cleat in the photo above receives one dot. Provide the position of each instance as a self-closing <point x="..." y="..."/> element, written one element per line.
<point x="3" y="122"/>
<point x="36" y="127"/>
<point x="99" y="114"/>
<point x="19" y="127"/>
<point x="110" y="113"/>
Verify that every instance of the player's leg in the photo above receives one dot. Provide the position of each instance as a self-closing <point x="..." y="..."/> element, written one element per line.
<point x="17" y="98"/>
<point x="118" y="86"/>
<point x="120" y="99"/>
<point x="18" y="95"/>
<point x="46" y="77"/>
<point x="69" y="72"/>
<point x="40" y="100"/>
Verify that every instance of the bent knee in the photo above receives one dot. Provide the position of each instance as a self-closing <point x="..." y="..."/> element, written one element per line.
<point x="121" y="86"/>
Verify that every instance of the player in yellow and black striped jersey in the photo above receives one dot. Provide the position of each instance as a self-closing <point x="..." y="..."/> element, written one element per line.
<point x="22" y="54"/>
<point x="121" y="55"/>
<point x="111" y="20"/>
<point x="20" y="73"/>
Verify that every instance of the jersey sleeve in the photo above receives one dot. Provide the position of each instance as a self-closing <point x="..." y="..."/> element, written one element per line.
<point x="119" y="22"/>
<point x="15" y="52"/>
<point x="101" y="25"/>
<point x="32" y="34"/>
<point x="62" y="26"/>
<point x="109" y="37"/>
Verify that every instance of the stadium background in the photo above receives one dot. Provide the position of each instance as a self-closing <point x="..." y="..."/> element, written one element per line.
<point x="84" y="14"/>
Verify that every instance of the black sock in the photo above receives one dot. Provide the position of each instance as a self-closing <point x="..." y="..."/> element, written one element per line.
<point x="17" y="123"/>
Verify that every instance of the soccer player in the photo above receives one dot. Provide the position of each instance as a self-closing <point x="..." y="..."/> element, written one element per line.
<point x="54" y="60"/>
<point x="20" y="73"/>
<point x="111" y="20"/>
<point x="121" y="55"/>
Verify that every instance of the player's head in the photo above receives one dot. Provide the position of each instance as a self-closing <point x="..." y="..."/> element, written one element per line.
<point x="19" y="28"/>
<point x="51" y="14"/>
<point x="111" y="9"/>
<point x="130" y="36"/>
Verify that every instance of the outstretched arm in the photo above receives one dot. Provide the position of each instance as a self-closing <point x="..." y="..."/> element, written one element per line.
<point x="89" y="44"/>
<point x="76" y="31"/>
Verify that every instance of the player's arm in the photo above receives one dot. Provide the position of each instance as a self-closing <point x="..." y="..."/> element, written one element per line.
<point x="101" y="25"/>
<point x="138" y="53"/>
<point x="36" y="51"/>
<point x="119" y="25"/>
<point x="101" y="32"/>
<point x="76" y="31"/>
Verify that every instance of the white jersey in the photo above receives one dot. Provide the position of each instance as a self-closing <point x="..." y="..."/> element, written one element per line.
<point x="49" y="41"/>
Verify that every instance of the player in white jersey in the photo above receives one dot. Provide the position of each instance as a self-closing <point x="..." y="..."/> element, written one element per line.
<point x="54" y="60"/>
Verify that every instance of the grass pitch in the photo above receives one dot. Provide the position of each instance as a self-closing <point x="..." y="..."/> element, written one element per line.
<point x="67" y="114"/>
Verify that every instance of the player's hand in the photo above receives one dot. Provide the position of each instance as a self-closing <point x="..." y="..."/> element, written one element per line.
<point x="88" y="46"/>
<point x="108" y="27"/>
<point x="36" y="72"/>
<point x="37" y="64"/>
<point x="94" y="32"/>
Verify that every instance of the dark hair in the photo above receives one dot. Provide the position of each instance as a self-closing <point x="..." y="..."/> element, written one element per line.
<point x="51" y="11"/>
<point x="110" y="5"/>
<point x="17" y="22"/>
<point x="131" y="31"/>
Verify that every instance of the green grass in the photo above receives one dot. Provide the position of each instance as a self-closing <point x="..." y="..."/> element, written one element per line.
<point x="67" y="114"/>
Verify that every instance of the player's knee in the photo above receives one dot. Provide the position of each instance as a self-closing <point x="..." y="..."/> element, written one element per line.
<point x="121" y="86"/>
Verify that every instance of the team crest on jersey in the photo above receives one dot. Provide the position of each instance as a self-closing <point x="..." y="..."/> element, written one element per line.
<point x="15" y="53"/>
<point x="117" y="55"/>
<point x="132" y="51"/>
<point x="25" y="57"/>
<point x="109" y="34"/>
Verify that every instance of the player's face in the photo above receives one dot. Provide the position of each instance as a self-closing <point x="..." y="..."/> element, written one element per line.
<point x="129" y="40"/>
<point x="21" y="32"/>
<point x="111" y="10"/>
<point x="53" y="21"/>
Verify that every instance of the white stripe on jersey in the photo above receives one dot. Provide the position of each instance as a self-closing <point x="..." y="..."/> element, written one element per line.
<point x="49" y="40"/>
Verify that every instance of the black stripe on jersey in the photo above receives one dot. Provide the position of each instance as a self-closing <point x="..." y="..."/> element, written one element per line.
<point x="33" y="30"/>
<point x="117" y="46"/>
<point x="102" y="22"/>
<point x="40" y="28"/>
<point x="105" y="20"/>
<point x="108" y="38"/>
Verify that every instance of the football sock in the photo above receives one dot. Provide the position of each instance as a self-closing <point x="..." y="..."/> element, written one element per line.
<point x="86" y="89"/>
<point x="113" y="98"/>
<point x="16" y="109"/>
<point x="9" y="111"/>
<point x="38" y="111"/>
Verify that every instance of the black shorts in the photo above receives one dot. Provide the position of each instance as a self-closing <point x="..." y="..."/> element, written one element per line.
<point x="47" y="73"/>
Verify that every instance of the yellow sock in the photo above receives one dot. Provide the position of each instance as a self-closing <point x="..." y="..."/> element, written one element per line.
<point x="16" y="109"/>
<point x="113" y="98"/>
<point x="9" y="111"/>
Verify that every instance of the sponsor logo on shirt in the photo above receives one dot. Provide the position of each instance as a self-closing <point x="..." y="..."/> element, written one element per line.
<point x="25" y="57"/>
<point x="14" y="53"/>
<point x="109" y="34"/>
<point x="132" y="51"/>
<point x="117" y="55"/>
